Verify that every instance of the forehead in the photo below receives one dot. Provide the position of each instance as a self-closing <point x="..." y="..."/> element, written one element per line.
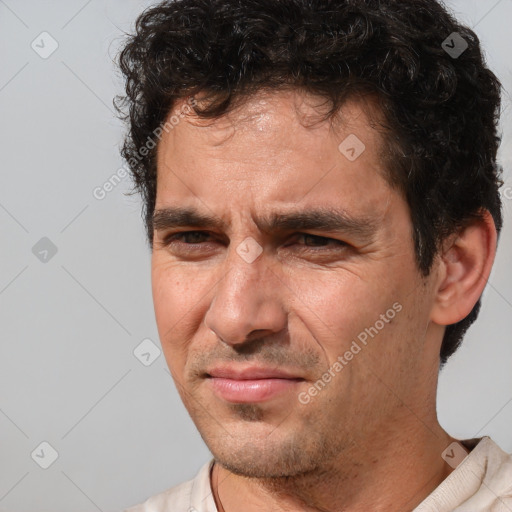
<point x="286" y="118"/>
<point x="275" y="148"/>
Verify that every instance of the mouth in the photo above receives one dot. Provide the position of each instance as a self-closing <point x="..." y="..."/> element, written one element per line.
<point x="251" y="385"/>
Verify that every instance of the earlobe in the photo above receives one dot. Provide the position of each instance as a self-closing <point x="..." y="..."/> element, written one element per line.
<point x="465" y="265"/>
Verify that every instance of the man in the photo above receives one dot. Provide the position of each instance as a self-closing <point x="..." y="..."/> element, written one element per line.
<point x="321" y="199"/>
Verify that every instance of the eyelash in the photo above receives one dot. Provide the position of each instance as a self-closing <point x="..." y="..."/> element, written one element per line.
<point x="176" y="236"/>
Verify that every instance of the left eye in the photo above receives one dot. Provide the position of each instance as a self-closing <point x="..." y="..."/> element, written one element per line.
<point x="318" y="241"/>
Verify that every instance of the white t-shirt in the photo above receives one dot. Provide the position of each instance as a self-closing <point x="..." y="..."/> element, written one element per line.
<point x="482" y="482"/>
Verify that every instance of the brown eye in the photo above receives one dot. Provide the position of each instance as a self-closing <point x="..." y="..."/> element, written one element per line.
<point x="187" y="237"/>
<point x="319" y="241"/>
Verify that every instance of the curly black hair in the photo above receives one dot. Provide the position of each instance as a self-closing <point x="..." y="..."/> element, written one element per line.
<point x="441" y="108"/>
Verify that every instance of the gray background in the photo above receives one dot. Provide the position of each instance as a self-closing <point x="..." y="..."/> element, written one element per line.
<point x="70" y="323"/>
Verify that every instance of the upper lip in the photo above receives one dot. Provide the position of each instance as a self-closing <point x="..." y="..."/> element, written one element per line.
<point x="250" y="373"/>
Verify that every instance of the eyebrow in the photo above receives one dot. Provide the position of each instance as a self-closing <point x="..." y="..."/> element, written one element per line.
<point x="321" y="219"/>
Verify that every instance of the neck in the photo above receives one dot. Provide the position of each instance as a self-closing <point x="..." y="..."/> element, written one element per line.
<point x="387" y="472"/>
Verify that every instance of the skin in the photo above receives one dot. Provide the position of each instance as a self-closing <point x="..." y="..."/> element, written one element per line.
<point x="370" y="439"/>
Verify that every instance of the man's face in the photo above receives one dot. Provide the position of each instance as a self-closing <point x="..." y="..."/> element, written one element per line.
<point x="252" y="339"/>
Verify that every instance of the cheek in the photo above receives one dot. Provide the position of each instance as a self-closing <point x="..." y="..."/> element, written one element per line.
<point x="167" y="288"/>
<point x="336" y="307"/>
<point x="175" y="289"/>
<point x="177" y="301"/>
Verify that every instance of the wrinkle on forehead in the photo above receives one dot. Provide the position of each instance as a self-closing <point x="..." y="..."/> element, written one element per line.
<point x="263" y="135"/>
<point x="256" y="113"/>
<point x="253" y="109"/>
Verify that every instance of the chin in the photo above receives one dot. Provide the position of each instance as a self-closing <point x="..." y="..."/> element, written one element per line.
<point x="265" y="458"/>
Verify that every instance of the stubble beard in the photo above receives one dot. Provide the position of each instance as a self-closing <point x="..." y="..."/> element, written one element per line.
<point x="274" y="457"/>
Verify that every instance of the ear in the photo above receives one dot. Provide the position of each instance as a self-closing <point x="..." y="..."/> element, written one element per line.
<point x="465" y="264"/>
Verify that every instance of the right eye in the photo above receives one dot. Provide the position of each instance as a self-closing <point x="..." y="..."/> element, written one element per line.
<point x="193" y="237"/>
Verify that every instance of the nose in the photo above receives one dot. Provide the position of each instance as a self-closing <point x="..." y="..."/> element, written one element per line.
<point x="247" y="303"/>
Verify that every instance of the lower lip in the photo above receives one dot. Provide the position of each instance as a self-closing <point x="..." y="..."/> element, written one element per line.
<point x="251" y="391"/>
